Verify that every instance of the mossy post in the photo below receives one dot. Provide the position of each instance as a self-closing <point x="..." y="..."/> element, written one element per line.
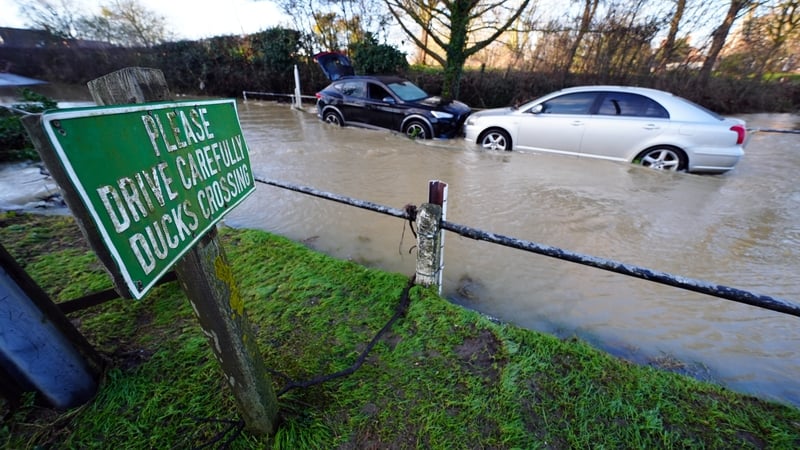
<point x="206" y="278"/>
<point x="430" y="239"/>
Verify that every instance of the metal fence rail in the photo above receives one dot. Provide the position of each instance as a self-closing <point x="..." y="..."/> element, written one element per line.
<point x="703" y="287"/>
<point x="773" y="130"/>
<point x="389" y="211"/>
<point x="291" y="97"/>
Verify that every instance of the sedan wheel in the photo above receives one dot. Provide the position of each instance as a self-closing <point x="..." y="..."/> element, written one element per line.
<point x="416" y="130"/>
<point x="496" y="140"/>
<point x="663" y="158"/>
<point x="332" y="117"/>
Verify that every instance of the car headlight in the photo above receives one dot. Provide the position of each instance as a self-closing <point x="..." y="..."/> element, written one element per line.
<point x="441" y="115"/>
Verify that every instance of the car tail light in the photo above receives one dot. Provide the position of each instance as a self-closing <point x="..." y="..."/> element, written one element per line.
<point x="319" y="96"/>
<point x="741" y="133"/>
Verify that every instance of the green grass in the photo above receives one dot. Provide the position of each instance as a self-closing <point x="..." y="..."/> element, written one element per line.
<point x="783" y="77"/>
<point x="442" y="377"/>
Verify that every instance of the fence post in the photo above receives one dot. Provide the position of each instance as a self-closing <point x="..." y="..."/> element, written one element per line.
<point x="437" y="194"/>
<point x="298" y="100"/>
<point x="429" y="217"/>
<point x="430" y="239"/>
<point x="206" y="278"/>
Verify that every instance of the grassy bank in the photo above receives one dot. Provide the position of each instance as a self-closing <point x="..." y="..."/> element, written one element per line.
<point x="442" y="377"/>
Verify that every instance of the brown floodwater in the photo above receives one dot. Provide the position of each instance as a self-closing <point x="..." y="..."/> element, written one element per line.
<point x="740" y="229"/>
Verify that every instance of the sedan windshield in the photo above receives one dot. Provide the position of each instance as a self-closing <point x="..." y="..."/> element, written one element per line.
<point x="407" y="91"/>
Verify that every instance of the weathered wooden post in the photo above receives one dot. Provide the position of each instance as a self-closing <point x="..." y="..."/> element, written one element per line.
<point x="430" y="239"/>
<point x="182" y="190"/>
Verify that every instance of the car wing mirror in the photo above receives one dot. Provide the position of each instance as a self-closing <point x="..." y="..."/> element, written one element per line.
<point x="389" y="100"/>
<point x="537" y="109"/>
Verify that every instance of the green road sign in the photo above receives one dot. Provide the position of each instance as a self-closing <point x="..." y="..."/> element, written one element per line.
<point x="154" y="177"/>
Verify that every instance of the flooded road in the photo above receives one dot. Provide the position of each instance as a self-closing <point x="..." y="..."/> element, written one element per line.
<point x="741" y="229"/>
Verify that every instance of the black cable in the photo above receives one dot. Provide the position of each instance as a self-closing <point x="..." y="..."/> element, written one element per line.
<point x="232" y="431"/>
<point x="235" y="427"/>
<point x="401" y="309"/>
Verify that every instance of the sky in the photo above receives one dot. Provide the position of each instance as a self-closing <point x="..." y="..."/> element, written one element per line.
<point x="188" y="19"/>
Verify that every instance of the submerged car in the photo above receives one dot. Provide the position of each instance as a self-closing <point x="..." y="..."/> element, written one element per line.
<point x="638" y="125"/>
<point x="384" y="102"/>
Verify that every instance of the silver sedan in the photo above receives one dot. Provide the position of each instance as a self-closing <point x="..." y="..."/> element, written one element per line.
<point x="645" y="126"/>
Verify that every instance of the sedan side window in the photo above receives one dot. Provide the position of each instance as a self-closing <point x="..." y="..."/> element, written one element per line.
<point x="577" y="103"/>
<point x="630" y="105"/>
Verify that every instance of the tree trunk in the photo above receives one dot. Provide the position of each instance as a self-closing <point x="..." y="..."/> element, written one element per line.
<point x="586" y="20"/>
<point x="718" y="38"/>
<point x="456" y="48"/>
<point x="668" y="47"/>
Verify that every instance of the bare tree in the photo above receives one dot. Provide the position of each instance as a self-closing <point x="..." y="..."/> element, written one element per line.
<point x="121" y="22"/>
<point x="127" y="23"/>
<point x="336" y="24"/>
<point x="767" y="36"/>
<point x="668" y="46"/>
<point x="516" y="48"/>
<point x="553" y="43"/>
<point x="58" y="17"/>
<point x="589" y="11"/>
<point x="426" y="17"/>
<point x="720" y="35"/>
<point x="458" y="29"/>
<point x="620" y="43"/>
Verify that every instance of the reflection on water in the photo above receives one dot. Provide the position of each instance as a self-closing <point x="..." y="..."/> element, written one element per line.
<point x="741" y="229"/>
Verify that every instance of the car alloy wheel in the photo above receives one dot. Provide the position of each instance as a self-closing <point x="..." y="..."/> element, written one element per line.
<point x="663" y="158"/>
<point x="496" y="140"/>
<point x="416" y="130"/>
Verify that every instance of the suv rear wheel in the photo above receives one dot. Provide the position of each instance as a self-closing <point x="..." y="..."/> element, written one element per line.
<point x="332" y="117"/>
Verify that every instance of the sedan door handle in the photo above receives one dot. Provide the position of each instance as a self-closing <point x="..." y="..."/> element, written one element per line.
<point x="651" y="126"/>
<point x="576" y="123"/>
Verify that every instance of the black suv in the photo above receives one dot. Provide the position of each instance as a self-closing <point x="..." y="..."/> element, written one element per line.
<point x="385" y="102"/>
